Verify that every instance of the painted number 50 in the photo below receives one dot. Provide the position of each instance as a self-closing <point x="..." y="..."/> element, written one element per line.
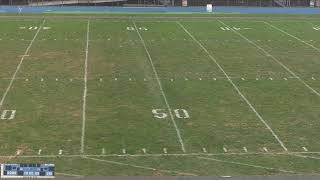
<point x="162" y="113"/>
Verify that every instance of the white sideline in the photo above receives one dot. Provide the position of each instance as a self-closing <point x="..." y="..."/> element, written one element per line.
<point x="245" y="164"/>
<point x="235" y="87"/>
<point x="308" y="44"/>
<point x="67" y="174"/>
<point x="161" y="89"/>
<point x="275" y="59"/>
<point x="19" y="65"/>
<point x="85" y="90"/>
<point x="140" y="167"/>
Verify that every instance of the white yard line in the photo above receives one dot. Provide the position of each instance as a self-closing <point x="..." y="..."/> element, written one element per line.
<point x="245" y="164"/>
<point x="275" y="59"/>
<point x="306" y="43"/>
<point x="85" y="90"/>
<point x="161" y="89"/>
<point x="236" y="88"/>
<point x="19" y="65"/>
<point x="141" y="167"/>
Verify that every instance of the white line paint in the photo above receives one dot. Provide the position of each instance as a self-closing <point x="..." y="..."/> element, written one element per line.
<point x="39" y="151"/>
<point x="276" y="60"/>
<point x="67" y="174"/>
<point x="124" y="151"/>
<point x="245" y="164"/>
<point x="60" y="152"/>
<point x="308" y="44"/>
<point x="160" y="155"/>
<point x="265" y="149"/>
<point x="19" y="66"/>
<point x="144" y="150"/>
<point x="165" y="150"/>
<point x="303" y="156"/>
<point x="140" y="167"/>
<point x="236" y="88"/>
<point x="204" y="150"/>
<point x="305" y="149"/>
<point x="84" y="98"/>
<point x="245" y="149"/>
<point x="103" y="151"/>
<point x="18" y="152"/>
<point x="161" y="90"/>
<point x="225" y="149"/>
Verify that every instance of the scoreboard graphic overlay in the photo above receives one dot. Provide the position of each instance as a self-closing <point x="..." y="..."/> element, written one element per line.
<point x="27" y="170"/>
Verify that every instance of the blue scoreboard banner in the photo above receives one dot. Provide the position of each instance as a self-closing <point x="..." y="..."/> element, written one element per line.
<point x="27" y="170"/>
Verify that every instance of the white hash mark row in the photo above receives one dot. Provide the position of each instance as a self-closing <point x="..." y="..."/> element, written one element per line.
<point x="166" y="150"/>
<point x="153" y="40"/>
<point x="169" y="79"/>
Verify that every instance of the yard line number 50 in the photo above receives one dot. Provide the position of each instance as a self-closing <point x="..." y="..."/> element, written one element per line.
<point x="162" y="113"/>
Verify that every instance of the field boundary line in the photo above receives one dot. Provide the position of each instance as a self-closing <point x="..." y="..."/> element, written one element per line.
<point x="245" y="164"/>
<point x="67" y="174"/>
<point x="295" y="37"/>
<point x="140" y="167"/>
<point x="160" y="155"/>
<point x="235" y="87"/>
<point x="85" y="90"/>
<point x="20" y="63"/>
<point x="274" y="58"/>
<point x="161" y="89"/>
<point x="303" y="156"/>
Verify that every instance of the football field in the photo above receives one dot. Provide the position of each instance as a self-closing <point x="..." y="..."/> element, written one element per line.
<point x="176" y="96"/>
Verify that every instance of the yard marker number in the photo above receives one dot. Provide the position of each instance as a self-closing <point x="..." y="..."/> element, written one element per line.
<point x="34" y="27"/>
<point x="8" y="114"/>
<point x="317" y="28"/>
<point x="232" y="28"/>
<point x="130" y="28"/>
<point x="179" y="113"/>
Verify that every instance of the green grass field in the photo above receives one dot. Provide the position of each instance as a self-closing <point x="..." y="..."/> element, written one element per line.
<point x="142" y="96"/>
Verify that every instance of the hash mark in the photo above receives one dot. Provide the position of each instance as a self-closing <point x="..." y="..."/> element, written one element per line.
<point x="305" y="149"/>
<point x="165" y="150"/>
<point x="265" y="149"/>
<point x="245" y="149"/>
<point x="204" y="150"/>
<point x="225" y="150"/>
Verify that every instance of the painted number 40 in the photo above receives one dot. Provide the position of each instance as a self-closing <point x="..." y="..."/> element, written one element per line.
<point x="179" y="113"/>
<point x="8" y="114"/>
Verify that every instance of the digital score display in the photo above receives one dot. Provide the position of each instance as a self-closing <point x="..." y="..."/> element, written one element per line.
<point x="27" y="171"/>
